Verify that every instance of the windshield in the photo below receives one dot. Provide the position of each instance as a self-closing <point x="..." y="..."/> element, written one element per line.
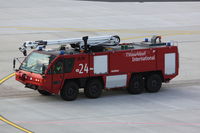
<point x="36" y="62"/>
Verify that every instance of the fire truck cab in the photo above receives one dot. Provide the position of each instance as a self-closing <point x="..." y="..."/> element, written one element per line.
<point x="98" y="65"/>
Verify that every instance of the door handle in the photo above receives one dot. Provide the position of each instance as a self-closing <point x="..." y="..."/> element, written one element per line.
<point x="56" y="82"/>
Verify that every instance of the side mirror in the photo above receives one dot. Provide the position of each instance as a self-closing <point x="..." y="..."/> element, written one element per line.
<point x="23" y="50"/>
<point x="14" y="62"/>
<point x="25" y="53"/>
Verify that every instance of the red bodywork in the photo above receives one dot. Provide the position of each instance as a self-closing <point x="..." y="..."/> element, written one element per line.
<point x="120" y="62"/>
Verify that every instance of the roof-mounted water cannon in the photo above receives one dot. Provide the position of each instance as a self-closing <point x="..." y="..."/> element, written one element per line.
<point x="85" y="40"/>
<point x="82" y="43"/>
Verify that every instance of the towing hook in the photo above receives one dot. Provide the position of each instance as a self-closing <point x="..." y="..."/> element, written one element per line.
<point x="23" y="76"/>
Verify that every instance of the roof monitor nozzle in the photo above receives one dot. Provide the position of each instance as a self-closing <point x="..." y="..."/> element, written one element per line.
<point x="85" y="39"/>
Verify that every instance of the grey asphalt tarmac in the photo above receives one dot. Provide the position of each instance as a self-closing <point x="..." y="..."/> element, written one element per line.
<point x="176" y="108"/>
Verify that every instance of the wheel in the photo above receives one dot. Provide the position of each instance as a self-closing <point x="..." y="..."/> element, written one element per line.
<point x="70" y="91"/>
<point x="93" y="89"/>
<point x="136" y="85"/>
<point x="44" y="93"/>
<point x="154" y="83"/>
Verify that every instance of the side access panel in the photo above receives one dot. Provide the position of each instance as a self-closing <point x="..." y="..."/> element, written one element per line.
<point x="115" y="81"/>
<point x="99" y="64"/>
<point x="168" y="61"/>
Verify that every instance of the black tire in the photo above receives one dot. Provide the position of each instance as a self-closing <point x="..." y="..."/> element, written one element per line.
<point x="154" y="83"/>
<point x="44" y="93"/>
<point x="136" y="85"/>
<point x="70" y="91"/>
<point x="93" y="88"/>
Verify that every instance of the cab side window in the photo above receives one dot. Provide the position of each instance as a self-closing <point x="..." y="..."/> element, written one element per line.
<point x="58" y="67"/>
<point x="69" y="64"/>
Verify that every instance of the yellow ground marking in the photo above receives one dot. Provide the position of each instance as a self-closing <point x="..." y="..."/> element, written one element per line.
<point x="15" y="125"/>
<point x="135" y="37"/>
<point x="6" y="78"/>
<point x="167" y="34"/>
<point x="128" y="31"/>
<point x="181" y="32"/>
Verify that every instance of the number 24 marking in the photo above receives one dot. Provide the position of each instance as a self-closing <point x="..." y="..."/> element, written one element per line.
<point x="83" y="68"/>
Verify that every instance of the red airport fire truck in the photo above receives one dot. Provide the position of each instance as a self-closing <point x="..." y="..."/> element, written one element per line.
<point x="97" y="63"/>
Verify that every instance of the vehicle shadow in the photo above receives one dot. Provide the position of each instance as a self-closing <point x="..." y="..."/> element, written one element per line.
<point x="107" y="95"/>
